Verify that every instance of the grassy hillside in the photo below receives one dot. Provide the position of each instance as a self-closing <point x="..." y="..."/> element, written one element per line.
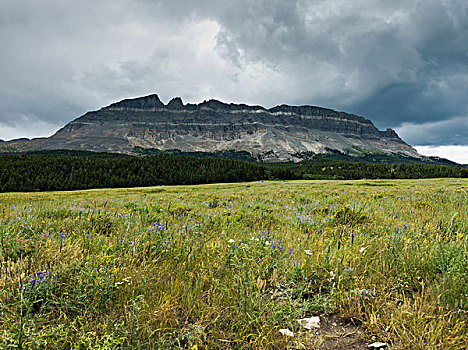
<point x="227" y="266"/>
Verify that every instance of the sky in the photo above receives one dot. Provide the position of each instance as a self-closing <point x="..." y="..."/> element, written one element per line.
<point x="401" y="64"/>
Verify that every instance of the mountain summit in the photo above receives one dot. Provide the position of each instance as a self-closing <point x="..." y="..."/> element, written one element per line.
<point x="281" y="133"/>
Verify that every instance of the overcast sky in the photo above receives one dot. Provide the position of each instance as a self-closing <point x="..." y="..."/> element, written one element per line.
<point x="401" y="64"/>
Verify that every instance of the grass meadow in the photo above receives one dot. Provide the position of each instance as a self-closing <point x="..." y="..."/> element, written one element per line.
<point x="226" y="266"/>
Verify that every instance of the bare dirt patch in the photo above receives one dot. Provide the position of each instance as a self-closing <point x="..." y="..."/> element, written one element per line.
<point x="337" y="333"/>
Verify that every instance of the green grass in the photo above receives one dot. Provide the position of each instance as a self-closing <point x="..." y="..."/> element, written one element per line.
<point x="225" y="266"/>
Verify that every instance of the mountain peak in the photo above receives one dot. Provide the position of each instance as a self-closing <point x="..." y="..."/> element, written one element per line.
<point x="149" y="102"/>
<point x="214" y="104"/>
<point x="175" y="103"/>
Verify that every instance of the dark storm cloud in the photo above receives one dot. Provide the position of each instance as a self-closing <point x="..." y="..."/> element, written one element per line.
<point x="403" y="64"/>
<point x="395" y="63"/>
<point x="446" y="132"/>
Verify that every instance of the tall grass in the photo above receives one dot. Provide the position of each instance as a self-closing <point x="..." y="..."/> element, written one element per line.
<point x="226" y="266"/>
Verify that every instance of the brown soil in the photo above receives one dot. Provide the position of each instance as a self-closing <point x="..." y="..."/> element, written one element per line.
<point x="336" y="333"/>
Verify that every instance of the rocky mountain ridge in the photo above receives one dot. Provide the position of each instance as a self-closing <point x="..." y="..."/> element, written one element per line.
<point x="280" y="133"/>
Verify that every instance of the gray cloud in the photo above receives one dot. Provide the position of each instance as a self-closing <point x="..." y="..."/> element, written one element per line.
<point x="445" y="132"/>
<point x="399" y="63"/>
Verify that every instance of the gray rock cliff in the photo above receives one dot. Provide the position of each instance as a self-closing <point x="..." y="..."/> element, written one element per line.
<point x="275" y="134"/>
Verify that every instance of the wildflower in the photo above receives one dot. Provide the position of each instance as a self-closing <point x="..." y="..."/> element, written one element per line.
<point x="231" y="241"/>
<point x="366" y="294"/>
<point x="290" y="251"/>
<point x="308" y="252"/>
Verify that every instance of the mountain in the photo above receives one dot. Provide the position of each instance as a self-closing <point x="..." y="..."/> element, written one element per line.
<point x="21" y="139"/>
<point x="282" y="133"/>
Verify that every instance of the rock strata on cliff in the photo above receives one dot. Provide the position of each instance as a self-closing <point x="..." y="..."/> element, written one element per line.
<point x="275" y="134"/>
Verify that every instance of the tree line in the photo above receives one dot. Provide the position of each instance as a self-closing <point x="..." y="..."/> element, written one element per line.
<point x="74" y="171"/>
